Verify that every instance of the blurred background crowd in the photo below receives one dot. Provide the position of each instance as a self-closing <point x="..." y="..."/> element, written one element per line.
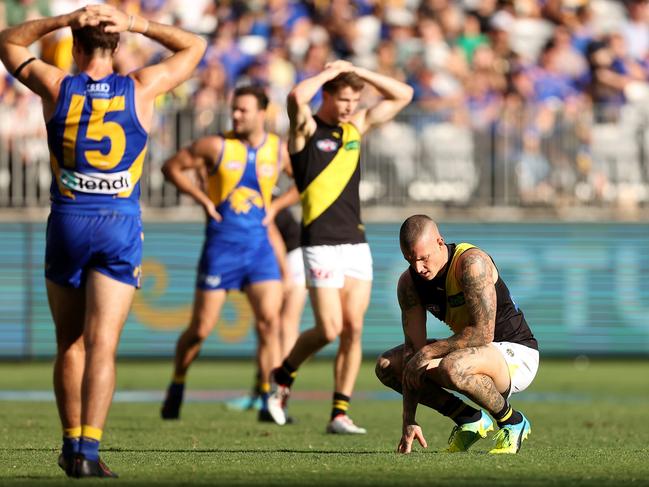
<point x="517" y="102"/>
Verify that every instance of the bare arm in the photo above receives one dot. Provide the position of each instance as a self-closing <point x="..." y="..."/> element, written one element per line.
<point x="201" y="154"/>
<point x="413" y="320"/>
<point x="159" y="78"/>
<point x="302" y="125"/>
<point x="279" y="248"/>
<point x="40" y="77"/>
<point x="396" y="96"/>
<point x="477" y="277"/>
<point x="289" y="197"/>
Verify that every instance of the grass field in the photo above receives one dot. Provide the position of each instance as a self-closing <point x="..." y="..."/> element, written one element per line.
<point x="590" y="426"/>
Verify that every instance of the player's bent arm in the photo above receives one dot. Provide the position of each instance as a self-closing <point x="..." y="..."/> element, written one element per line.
<point x="288" y="198"/>
<point x="40" y="77"/>
<point x="476" y="273"/>
<point x="413" y="316"/>
<point x="396" y="96"/>
<point x="413" y="321"/>
<point x="279" y="249"/>
<point x="301" y="122"/>
<point x="199" y="154"/>
<point x="477" y="279"/>
<point x="187" y="48"/>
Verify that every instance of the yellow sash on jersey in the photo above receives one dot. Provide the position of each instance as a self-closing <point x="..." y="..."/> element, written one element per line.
<point x="327" y="186"/>
<point x="457" y="316"/>
<point x="227" y="175"/>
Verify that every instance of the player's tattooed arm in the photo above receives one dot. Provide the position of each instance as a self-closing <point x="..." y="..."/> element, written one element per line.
<point x="477" y="281"/>
<point x="413" y="321"/>
<point x="476" y="273"/>
<point x="413" y="316"/>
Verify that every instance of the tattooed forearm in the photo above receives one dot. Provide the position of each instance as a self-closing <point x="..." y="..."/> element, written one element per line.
<point x="480" y="296"/>
<point x="410" y="401"/>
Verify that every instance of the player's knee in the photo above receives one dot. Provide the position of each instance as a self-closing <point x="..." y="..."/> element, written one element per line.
<point x="330" y="333"/>
<point x="268" y="325"/>
<point x="383" y="369"/>
<point x="198" y="333"/>
<point x="71" y="346"/>
<point x="450" y="372"/>
<point x="351" y="332"/>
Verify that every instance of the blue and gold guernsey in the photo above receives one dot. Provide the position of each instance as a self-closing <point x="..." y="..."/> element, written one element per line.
<point x="241" y="184"/>
<point x="237" y="251"/>
<point x="97" y="146"/>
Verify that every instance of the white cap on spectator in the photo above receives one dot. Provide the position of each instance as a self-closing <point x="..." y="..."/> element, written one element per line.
<point x="399" y="17"/>
<point x="253" y="45"/>
<point x="318" y="35"/>
<point x="502" y="20"/>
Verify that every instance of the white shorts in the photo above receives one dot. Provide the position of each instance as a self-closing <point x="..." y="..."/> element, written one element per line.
<point x="295" y="262"/>
<point x="328" y="265"/>
<point x="523" y="362"/>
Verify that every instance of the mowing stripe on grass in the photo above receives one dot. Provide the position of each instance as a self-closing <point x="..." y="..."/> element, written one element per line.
<point x="216" y="396"/>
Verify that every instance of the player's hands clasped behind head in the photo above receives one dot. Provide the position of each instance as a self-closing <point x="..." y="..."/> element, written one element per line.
<point x="92" y="15"/>
<point x="410" y="432"/>
<point x="341" y="66"/>
<point x="88" y="16"/>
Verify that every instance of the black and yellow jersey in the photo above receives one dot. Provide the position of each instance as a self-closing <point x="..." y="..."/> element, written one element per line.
<point x="443" y="297"/>
<point x="327" y="175"/>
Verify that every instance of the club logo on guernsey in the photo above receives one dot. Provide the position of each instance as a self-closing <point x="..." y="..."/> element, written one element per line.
<point x="234" y="165"/>
<point x="353" y="145"/>
<point x="97" y="183"/>
<point x="98" y="90"/>
<point x="266" y="170"/>
<point x="327" y="145"/>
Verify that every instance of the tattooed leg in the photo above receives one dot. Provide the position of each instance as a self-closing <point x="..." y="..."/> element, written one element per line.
<point x="477" y="373"/>
<point x="388" y="371"/>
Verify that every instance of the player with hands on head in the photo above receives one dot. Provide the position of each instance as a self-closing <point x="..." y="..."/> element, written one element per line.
<point x="97" y="127"/>
<point x="325" y="156"/>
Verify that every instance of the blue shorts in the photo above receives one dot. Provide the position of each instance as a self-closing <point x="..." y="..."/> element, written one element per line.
<point x="227" y="264"/>
<point x="110" y="244"/>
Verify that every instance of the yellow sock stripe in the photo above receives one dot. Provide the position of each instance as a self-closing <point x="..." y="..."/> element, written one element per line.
<point x="178" y="379"/>
<point x="74" y="432"/>
<point x="293" y="374"/>
<point x="264" y="387"/>
<point x="342" y="405"/>
<point x="91" y="432"/>
<point x="506" y="416"/>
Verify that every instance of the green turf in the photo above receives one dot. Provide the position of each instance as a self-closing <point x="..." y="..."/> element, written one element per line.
<point x="590" y="426"/>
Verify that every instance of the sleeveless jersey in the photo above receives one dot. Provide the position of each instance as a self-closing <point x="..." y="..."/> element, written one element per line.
<point x="97" y="146"/>
<point x="443" y="297"/>
<point x="241" y="185"/>
<point x="327" y="175"/>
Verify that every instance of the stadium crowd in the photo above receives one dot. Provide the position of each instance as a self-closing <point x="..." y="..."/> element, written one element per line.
<point x="539" y="74"/>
